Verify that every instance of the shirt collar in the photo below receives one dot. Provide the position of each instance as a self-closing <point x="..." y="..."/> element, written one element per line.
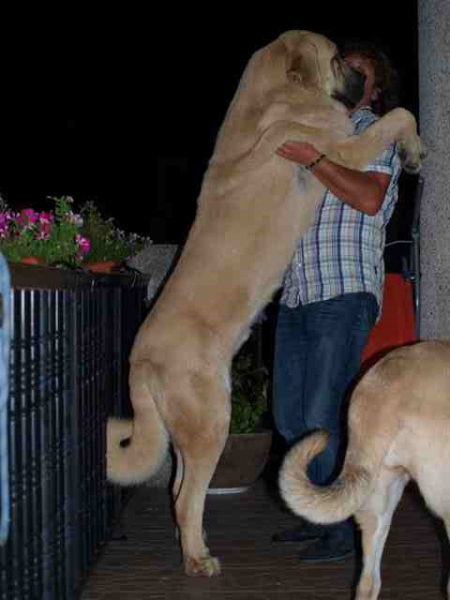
<point x="359" y="114"/>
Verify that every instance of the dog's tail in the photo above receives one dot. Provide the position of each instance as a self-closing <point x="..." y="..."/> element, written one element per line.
<point x="318" y="504"/>
<point x="136" y="448"/>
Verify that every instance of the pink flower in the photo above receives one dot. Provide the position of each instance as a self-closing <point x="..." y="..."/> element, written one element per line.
<point x="27" y="217"/>
<point x="3" y="233"/>
<point x="4" y="222"/>
<point x="83" y="243"/>
<point x="6" y="217"/>
<point x="46" y="218"/>
<point x="45" y="229"/>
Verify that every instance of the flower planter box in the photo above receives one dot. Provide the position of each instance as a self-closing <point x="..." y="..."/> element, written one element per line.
<point x="71" y="333"/>
<point x="242" y="462"/>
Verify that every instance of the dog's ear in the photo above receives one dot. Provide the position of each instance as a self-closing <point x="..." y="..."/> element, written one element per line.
<point x="304" y="68"/>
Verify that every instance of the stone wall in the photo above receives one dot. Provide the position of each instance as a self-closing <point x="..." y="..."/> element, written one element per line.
<point x="434" y="96"/>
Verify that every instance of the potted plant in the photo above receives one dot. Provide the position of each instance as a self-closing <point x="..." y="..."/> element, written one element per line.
<point x="247" y="449"/>
<point x="109" y="246"/>
<point x="62" y="237"/>
<point x="48" y="237"/>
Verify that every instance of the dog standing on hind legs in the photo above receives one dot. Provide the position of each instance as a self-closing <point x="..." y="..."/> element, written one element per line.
<point x="251" y="213"/>
<point x="399" y="429"/>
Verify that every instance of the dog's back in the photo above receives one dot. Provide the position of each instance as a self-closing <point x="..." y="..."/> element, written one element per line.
<point x="421" y="376"/>
<point x="399" y="428"/>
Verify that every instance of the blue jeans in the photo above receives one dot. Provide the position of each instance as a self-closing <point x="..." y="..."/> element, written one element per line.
<point x="318" y="351"/>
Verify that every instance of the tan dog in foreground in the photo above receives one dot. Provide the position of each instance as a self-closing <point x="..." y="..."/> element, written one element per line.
<point x="399" y="428"/>
<point x="253" y="208"/>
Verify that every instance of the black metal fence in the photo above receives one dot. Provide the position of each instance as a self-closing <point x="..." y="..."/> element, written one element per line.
<point x="71" y="336"/>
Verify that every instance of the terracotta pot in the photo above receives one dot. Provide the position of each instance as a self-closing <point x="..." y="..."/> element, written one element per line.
<point x="103" y="266"/>
<point x="33" y="260"/>
<point x="242" y="462"/>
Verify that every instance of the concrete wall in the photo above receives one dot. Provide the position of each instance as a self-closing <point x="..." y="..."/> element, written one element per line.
<point x="434" y="96"/>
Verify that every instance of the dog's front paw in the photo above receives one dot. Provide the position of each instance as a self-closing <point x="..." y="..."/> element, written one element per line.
<point x="207" y="566"/>
<point x="423" y="150"/>
<point x="410" y="154"/>
<point x="412" y="168"/>
<point x="411" y="164"/>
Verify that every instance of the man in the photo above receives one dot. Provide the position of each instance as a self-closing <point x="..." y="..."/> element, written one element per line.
<point x="332" y="297"/>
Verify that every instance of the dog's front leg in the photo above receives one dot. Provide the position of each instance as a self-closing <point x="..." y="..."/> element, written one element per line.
<point x="397" y="126"/>
<point x="265" y="149"/>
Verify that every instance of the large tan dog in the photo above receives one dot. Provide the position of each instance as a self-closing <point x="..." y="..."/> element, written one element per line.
<point x="399" y="428"/>
<point x="252" y="210"/>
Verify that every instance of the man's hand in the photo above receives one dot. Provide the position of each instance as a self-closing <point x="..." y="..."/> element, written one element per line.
<point x="302" y="153"/>
<point x="363" y="191"/>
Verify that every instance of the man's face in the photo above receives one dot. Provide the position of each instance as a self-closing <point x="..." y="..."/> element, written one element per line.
<point x="366" y="67"/>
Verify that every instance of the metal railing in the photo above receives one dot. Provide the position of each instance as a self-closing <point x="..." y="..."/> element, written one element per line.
<point x="71" y="334"/>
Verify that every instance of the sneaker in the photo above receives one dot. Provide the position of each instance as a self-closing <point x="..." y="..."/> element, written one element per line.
<point x="328" y="549"/>
<point x="305" y="533"/>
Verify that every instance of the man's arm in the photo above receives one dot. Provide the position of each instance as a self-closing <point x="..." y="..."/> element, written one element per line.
<point x="363" y="191"/>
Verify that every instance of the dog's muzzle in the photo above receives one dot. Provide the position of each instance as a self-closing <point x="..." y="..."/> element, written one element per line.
<point x="354" y="89"/>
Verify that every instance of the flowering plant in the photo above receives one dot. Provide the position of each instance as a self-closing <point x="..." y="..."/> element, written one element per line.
<point x="55" y="237"/>
<point x="107" y="241"/>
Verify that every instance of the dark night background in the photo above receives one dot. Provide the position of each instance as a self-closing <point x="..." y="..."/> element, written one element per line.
<point x="94" y="104"/>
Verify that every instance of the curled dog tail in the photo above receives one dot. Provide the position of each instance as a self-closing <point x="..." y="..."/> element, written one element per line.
<point x="321" y="504"/>
<point x="136" y="448"/>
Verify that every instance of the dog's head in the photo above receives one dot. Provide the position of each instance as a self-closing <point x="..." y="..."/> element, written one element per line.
<point x="311" y="62"/>
<point x="297" y="66"/>
<point x="316" y="65"/>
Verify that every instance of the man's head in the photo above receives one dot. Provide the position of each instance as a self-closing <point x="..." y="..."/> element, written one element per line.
<point x="382" y="84"/>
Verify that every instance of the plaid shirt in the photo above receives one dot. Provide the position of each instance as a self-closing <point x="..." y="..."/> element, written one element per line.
<point x="342" y="252"/>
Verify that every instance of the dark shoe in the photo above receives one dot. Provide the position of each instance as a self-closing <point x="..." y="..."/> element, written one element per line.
<point x="305" y="533"/>
<point x="328" y="549"/>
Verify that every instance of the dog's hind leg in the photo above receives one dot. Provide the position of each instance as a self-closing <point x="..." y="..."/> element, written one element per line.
<point x="178" y="479"/>
<point x="199" y="448"/>
<point x="374" y="520"/>
<point x="136" y="448"/>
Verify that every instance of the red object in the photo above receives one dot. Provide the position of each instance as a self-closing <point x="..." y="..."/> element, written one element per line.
<point x="396" y="325"/>
<point x="33" y="260"/>
<point x="104" y="266"/>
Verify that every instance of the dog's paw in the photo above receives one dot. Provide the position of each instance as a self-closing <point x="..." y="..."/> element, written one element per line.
<point x="412" y="168"/>
<point x="423" y="150"/>
<point x="207" y="566"/>
<point x="410" y="163"/>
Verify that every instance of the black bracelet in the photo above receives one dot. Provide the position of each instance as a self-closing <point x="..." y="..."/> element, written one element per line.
<point x="315" y="162"/>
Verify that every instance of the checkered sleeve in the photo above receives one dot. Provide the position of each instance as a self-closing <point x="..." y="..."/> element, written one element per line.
<point x="385" y="163"/>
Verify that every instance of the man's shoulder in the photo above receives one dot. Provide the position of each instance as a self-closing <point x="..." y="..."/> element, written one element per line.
<point x="363" y="118"/>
